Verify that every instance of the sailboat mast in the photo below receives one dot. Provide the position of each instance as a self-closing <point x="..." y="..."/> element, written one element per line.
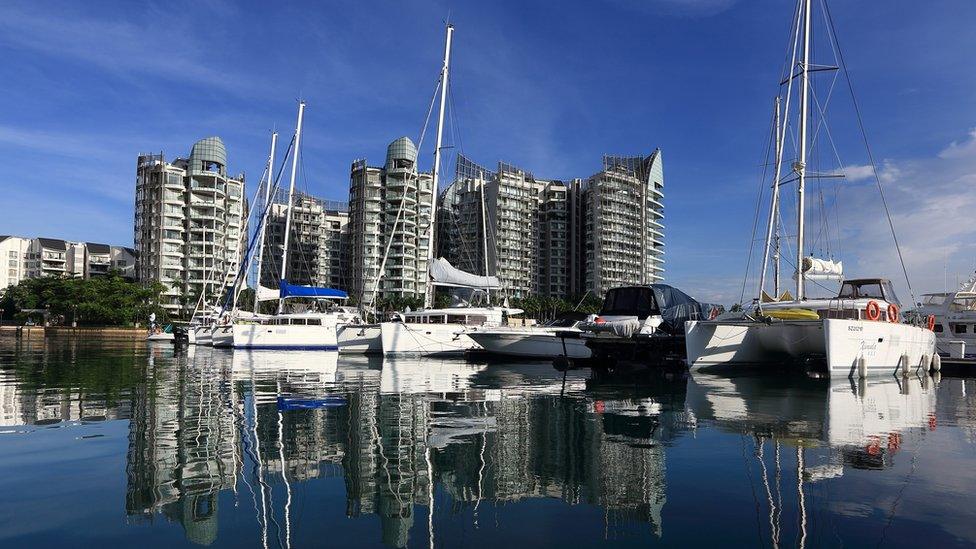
<point x="429" y="294"/>
<point x="262" y="226"/>
<point x="773" y="206"/>
<point x="801" y="164"/>
<point x="484" y="235"/>
<point x="291" y="192"/>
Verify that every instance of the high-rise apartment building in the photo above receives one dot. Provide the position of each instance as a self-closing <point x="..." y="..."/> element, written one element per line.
<point x="622" y="214"/>
<point x="316" y="248"/>
<point x="553" y="238"/>
<point x="190" y="230"/>
<point x="389" y="208"/>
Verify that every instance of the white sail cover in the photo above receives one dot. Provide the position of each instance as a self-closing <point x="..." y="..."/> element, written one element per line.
<point x="267" y="294"/>
<point x="444" y="274"/>
<point x="822" y="269"/>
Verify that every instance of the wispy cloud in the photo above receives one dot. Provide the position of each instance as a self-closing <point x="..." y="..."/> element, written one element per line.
<point x="679" y="8"/>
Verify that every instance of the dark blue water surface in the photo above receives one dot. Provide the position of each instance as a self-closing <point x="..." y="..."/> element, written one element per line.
<point x="124" y="444"/>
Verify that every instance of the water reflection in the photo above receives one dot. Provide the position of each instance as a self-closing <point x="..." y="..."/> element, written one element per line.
<point x="429" y="447"/>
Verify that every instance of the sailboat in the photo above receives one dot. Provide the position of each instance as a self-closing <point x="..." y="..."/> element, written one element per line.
<point x="859" y="330"/>
<point x="442" y="331"/>
<point x="286" y="330"/>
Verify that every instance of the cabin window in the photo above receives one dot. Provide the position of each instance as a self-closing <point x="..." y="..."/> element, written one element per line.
<point x="298" y="322"/>
<point x="959" y="328"/>
<point x="634" y="301"/>
<point x="937" y="328"/>
<point x="456" y="319"/>
<point x="477" y="320"/>
<point x="315" y="322"/>
<point x="863" y="290"/>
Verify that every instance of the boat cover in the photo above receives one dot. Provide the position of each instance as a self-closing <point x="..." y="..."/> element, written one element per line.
<point x="444" y="274"/>
<point x="267" y="294"/>
<point x="293" y="290"/>
<point x="677" y="307"/>
<point x="822" y="269"/>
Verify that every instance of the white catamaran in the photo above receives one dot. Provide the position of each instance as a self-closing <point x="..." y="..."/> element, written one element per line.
<point x="860" y="329"/>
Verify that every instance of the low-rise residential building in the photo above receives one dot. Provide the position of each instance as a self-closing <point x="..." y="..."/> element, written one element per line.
<point x="13" y="253"/>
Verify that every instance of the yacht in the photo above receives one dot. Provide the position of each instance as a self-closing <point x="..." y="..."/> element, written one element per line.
<point x="952" y="316"/>
<point x="643" y="323"/>
<point x="558" y="337"/>
<point x="859" y="329"/>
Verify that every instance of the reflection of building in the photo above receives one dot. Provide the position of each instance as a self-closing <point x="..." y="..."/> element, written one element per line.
<point x="183" y="448"/>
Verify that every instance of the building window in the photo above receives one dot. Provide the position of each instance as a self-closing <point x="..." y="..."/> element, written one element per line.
<point x="12" y="254"/>
<point x="959" y="328"/>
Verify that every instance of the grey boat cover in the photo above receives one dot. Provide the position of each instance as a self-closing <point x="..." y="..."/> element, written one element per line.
<point x="677" y="307"/>
<point x="635" y="305"/>
<point x="442" y="273"/>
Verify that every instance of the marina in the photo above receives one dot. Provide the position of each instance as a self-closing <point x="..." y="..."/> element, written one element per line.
<point x="165" y="446"/>
<point x="545" y="351"/>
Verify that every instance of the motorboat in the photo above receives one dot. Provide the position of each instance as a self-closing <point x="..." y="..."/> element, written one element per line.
<point x="558" y="337"/>
<point x="860" y="329"/>
<point x="439" y="332"/>
<point x="952" y="316"/>
<point x="161" y="334"/>
<point x="643" y="323"/>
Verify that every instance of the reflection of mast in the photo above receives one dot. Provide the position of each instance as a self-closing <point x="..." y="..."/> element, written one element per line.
<point x="284" y="476"/>
<point x="803" y="503"/>
<point x="260" y="463"/>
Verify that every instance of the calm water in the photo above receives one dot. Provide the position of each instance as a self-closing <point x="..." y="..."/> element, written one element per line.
<point x="123" y="445"/>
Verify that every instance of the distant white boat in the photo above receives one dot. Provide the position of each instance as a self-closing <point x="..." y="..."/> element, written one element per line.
<point x="953" y="319"/>
<point x="559" y="337"/>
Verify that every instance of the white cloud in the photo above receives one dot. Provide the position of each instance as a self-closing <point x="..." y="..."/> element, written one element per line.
<point x="965" y="149"/>
<point x="858" y="173"/>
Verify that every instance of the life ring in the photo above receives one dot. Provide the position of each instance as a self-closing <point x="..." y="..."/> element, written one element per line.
<point x="872" y="311"/>
<point x="892" y="312"/>
<point x="931" y="323"/>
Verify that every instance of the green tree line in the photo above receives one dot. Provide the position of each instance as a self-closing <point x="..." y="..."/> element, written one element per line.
<point x="99" y="301"/>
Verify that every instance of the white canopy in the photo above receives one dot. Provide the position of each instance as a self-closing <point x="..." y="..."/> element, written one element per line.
<point x="444" y="274"/>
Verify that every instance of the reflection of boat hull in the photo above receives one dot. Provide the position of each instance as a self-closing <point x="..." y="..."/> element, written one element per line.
<point x="271" y="336"/>
<point x="403" y="338"/>
<point x="160" y="337"/>
<point x="359" y="339"/>
<point x="842" y="344"/>
<point x="529" y="344"/>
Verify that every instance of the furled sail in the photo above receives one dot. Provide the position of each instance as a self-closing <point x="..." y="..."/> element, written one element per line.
<point x="267" y="294"/>
<point x="822" y="269"/>
<point x="294" y="290"/>
<point x="442" y="273"/>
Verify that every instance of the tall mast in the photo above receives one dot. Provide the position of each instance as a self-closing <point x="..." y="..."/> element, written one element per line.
<point x="801" y="164"/>
<point x="262" y="226"/>
<point x="291" y="192"/>
<point x="484" y="235"/>
<point x="773" y="205"/>
<point x="429" y="294"/>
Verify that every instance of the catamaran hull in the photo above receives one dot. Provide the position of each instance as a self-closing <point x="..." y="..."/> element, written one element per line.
<point x="361" y="339"/>
<point x="545" y="345"/>
<point x="222" y="336"/>
<point x="844" y="345"/>
<point x="268" y="336"/>
<point x="402" y="338"/>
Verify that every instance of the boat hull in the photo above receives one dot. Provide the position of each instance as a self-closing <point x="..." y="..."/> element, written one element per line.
<point x="267" y="336"/>
<point x="541" y="345"/>
<point x="409" y="339"/>
<point x="361" y="339"/>
<point x="222" y="336"/>
<point x="841" y="344"/>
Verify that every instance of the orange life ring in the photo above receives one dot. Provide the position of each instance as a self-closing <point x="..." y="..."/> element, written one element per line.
<point x="892" y="312"/>
<point x="872" y="311"/>
<point x="931" y="323"/>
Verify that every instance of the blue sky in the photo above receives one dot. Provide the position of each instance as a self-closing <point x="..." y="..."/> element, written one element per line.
<point x="88" y="86"/>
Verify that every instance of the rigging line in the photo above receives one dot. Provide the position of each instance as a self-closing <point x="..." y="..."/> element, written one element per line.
<point x="755" y="222"/>
<point x="867" y="145"/>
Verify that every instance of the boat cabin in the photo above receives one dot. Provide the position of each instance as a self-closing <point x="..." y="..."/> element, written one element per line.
<point x="637" y="301"/>
<point x="868" y="288"/>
